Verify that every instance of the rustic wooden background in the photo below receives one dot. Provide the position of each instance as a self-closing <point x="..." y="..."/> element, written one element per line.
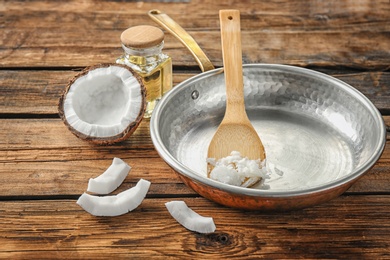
<point x="44" y="168"/>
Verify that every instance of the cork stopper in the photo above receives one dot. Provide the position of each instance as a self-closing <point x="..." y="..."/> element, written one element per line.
<point x="142" y="36"/>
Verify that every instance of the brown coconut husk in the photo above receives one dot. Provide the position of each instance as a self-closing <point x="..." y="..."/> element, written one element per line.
<point x="126" y="133"/>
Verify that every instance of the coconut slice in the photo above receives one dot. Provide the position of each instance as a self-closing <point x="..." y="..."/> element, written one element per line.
<point x="115" y="205"/>
<point x="103" y="104"/>
<point x="109" y="180"/>
<point x="189" y="218"/>
<point x="237" y="170"/>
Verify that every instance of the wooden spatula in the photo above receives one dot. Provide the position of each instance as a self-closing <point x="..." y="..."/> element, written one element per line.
<point x="235" y="133"/>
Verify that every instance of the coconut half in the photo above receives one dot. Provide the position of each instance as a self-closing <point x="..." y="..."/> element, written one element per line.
<point x="103" y="104"/>
<point x="189" y="218"/>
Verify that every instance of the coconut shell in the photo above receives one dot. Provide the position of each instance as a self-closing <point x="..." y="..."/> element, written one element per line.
<point x="111" y="139"/>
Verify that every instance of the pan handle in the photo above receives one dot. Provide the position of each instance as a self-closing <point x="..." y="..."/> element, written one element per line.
<point x="176" y="30"/>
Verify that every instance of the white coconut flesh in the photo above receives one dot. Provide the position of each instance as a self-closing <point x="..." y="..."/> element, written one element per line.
<point x="189" y="218"/>
<point x="103" y="101"/>
<point x="115" y="205"/>
<point x="237" y="170"/>
<point x="111" y="179"/>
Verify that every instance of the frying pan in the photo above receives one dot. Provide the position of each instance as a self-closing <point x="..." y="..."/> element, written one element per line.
<point x="320" y="134"/>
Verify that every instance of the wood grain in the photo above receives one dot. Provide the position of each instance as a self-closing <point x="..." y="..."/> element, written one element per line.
<point x="288" y="32"/>
<point x="70" y="178"/>
<point x="331" y="49"/>
<point x="44" y="168"/>
<point x="44" y="152"/>
<point x="38" y="91"/>
<point x="71" y="233"/>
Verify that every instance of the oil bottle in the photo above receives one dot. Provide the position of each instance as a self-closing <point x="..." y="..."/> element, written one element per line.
<point x="142" y="47"/>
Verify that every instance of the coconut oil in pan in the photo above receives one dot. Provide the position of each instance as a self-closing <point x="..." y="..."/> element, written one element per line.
<point x="143" y="52"/>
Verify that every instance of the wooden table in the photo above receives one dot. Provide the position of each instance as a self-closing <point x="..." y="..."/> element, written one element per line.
<point x="44" y="168"/>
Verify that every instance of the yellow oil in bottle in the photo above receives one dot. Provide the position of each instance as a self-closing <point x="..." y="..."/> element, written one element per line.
<point x="157" y="81"/>
<point x="143" y="53"/>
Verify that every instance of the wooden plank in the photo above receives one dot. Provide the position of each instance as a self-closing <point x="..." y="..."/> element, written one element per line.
<point x="33" y="92"/>
<point x="40" y="157"/>
<point x="62" y="229"/>
<point x="42" y="179"/>
<point x="28" y="135"/>
<point x="70" y="178"/>
<point x="202" y="15"/>
<point x="288" y="32"/>
<point x="292" y="48"/>
<point x="40" y="139"/>
<point x="37" y="92"/>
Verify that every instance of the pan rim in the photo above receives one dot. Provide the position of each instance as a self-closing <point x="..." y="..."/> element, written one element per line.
<point x="349" y="178"/>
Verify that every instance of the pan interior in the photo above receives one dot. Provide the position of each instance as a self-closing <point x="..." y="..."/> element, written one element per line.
<point x="307" y="151"/>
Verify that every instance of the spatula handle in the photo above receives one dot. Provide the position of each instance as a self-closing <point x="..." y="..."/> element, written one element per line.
<point x="232" y="58"/>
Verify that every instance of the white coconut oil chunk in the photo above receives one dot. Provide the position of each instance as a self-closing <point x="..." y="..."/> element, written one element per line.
<point x="115" y="205"/>
<point x="237" y="170"/>
<point x="189" y="218"/>
<point x="111" y="179"/>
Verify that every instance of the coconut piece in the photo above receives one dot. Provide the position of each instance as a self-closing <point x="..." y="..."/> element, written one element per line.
<point x="109" y="180"/>
<point x="103" y="104"/>
<point x="189" y="218"/>
<point x="115" y="205"/>
<point x="237" y="170"/>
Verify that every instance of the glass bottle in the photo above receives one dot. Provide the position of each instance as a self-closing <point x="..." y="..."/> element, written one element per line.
<point x="143" y="46"/>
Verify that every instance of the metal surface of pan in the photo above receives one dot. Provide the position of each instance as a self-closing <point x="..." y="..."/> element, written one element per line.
<point x="320" y="132"/>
